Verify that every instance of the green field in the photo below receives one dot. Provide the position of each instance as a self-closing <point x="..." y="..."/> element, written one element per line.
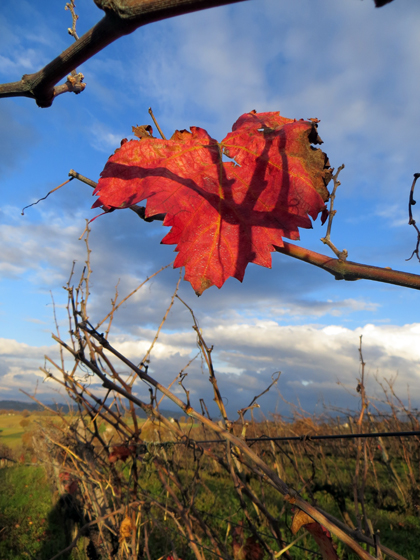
<point x="11" y="431"/>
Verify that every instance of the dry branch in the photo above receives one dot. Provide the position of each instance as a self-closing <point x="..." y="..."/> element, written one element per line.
<point x="289" y="494"/>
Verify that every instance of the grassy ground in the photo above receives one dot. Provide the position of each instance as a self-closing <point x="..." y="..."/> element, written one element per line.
<point x="218" y="503"/>
<point x="14" y="427"/>
<point x="30" y="526"/>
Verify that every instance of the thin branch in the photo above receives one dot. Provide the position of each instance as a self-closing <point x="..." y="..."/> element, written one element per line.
<point x="74" y="175"/>
<point x="47" y="195"/>
<point x="286" y="548"/>
<point x="139" y="210"/>
<point x="275" y="377"/>
<point x="57" y="329"/>
<point x="115" y="306"/>
<point x="342" y="255"/>
<point x="206" y="353"/>
<point x="146" y="356"/>
<point x="156" y="123"/>
<point x="350" y="271"/>
<point x="72" y="30"/>
<point x="74" y="82"/>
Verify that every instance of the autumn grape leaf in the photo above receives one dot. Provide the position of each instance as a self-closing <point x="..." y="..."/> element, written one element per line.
<point x="120" y="452"/>
<point x="223" y="214"/>
<point x="320" y="534"/>
<point x="249" y="549"/>
<point x="70" y="485"/>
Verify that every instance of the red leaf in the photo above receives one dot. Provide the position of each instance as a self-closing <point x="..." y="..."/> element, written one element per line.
<point x="223" y="214"/>
<point x="321" y="535"/>
<point x="71" y="487"/>
<point x="245" y="550"/>
<point x="323" y="539"/>
<point x="120" y="452"/>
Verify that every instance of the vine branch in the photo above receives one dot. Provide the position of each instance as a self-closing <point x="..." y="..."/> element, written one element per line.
<point x="350" y="271"/>
<point x="122" y="17"/>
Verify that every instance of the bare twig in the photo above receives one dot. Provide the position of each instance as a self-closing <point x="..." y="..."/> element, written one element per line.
<point x="206" y="353"/>
<point x="411" y="220"/>
<point x="358" y="490"/>
<point x="57" y="329"/>
<point x="72" y="30"/>
<point x="139" y="210"/>
<point x="74" y="175"/>
<point x="342" y="255"/>
<point x="46" y="196"/>
<point x="174" y="295"/>
<point x="156" y="123"/>
<point x="74" y="82"/>
<point x="115" y="306"/>
<point x="275" y="377"/>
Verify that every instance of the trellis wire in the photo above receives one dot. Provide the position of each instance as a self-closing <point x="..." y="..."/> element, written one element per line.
<point x="308" y="437"/>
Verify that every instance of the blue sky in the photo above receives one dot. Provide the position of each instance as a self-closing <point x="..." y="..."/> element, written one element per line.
<point x="354" y="67"/>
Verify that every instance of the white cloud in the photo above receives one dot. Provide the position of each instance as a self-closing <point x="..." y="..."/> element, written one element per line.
<point x="42" y="251"/>
<point x="19" y="368"/>
<point x="396" y="215"/>
<point x="246" y="355"/>
<point x="136" y="350"/>
<point x="103" y="139"/>
<point x="17" y="59"/>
